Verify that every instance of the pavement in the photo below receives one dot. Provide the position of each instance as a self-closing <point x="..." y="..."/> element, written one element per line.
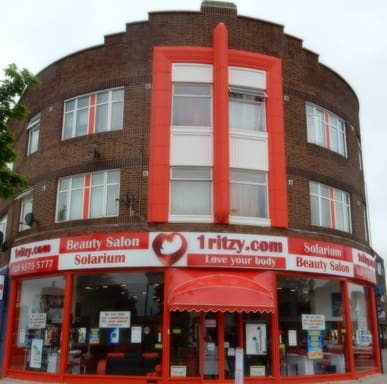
<point x="373" y="379"/>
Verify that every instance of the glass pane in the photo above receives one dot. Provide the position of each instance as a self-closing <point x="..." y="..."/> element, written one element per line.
<point x="64" y="184"/>
<point x="34" y="139"/>
<point x="101" y="118"/>
<point x="81" y="122"/>
<point x="102" y="97"/>
<point x="362" y="336"/>
<point x="62" y="207"/>
<point x="211" y="346"/>
<point x="83" y="102"/>
<point x="306" y="351"/>
<point x="98" y="178"/>
<point x="191" y="111"/>
<point x="325" y="214"/>
<point x="69" y="105"/>
<point x="248" y="200"/>
<point x="96" y="202"/>
<point x="111" y="202"/>
<point x="118" y="94"/>
<point x="117" y="116"/>
<point x="246" y="114"/>
<point x="313" y="188"/>
<point x="185" y="334"/>
<point x="130" y="347"/>
<point x="230" y="343"/>
<point x="68" y="125"/>
<point x="314" y="210"/>
<point x="76" y="205"/>
<point x="191" y="197"/>
<point x="113" y="177"/>
<point x="191" y="173"/>
<point x="77" y="182"/>
<point x="38" y="325"/>
<point x="192" y="89"/>
<point x="248" y="176"/>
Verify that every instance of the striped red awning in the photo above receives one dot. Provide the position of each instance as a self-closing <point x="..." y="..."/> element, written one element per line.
<point x="197" y="290"/>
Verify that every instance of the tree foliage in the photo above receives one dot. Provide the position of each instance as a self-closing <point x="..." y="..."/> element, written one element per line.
<point x="12" y="88"/>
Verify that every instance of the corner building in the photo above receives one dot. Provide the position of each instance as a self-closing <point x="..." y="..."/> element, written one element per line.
<point x="197" y="212"/>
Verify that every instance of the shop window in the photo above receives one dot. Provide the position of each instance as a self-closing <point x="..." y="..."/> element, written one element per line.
<point x="362" y="337"/>
<point x="248" y="193"/>
<point x="33" y="134"/>
<point x="312" y="326"/>
<point x="26" y="202"/>
<point x="184" y="344"/>
<point x="93" y="113"/>
<point x="191" y="189"/>
<point x="330" y="207"/>
<point x="38" y="324"/>
<point x="117" y="323"/>
<point x="191" y="105"/>
<point x="88" y="196"/>
<point x="246" y="109"/>
<point x="326" y="129"/>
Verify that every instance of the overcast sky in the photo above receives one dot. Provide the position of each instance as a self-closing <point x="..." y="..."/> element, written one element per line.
<point x="349" y="35"/>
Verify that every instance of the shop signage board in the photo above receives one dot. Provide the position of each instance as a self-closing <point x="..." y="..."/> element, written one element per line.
<point x="191" y="249"/>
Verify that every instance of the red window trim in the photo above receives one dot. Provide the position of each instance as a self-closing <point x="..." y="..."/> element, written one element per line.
<point x="221" y="57"/>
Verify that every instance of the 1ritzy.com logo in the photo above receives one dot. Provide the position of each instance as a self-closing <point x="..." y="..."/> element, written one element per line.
<point x="169" y="247"/>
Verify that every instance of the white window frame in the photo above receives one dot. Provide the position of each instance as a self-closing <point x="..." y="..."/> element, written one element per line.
<point x="186" y="217"/>
<point x="322" y="126"/>
<point x="33" y="129"/>
<point x="250" y="220"/>
<point x="74" y="112"/>
<point x="335" y="200"/>
<point x="69" y="195"/>
<point x="26" y="206"/>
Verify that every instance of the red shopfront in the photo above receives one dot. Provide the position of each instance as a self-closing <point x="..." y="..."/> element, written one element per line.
<point x="190" y="307"/>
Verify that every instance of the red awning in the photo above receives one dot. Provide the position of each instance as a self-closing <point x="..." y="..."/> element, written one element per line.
<point x="197" y="290"/>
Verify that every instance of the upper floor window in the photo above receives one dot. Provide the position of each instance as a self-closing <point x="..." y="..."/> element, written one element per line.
<point x="33" y="134"/>
<point x="246" y="109"/>
<point x="191" y="191"/>
<point x="330" y="207"/>
<point x="97" y="112"/>
<point x="326" y="129"/>
<point x="26" y="203"/>
<point x="248" y="193"/>
<point x="3" y="229"/>
<point x="191" y="105"/>
<point x="87" y="196"/>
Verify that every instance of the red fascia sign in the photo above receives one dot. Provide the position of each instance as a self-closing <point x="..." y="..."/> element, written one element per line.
<point x="191" y="249"/>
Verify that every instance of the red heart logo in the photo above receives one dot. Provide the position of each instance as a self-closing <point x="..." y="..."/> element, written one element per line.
<point x="169" y="247"/>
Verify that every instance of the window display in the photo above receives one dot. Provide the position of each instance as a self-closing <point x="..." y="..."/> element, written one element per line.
<point x="117" y="323"/>
<point x="39" y="324"/>
<point x="312" y="328"/>
<point x="361" y="327"/>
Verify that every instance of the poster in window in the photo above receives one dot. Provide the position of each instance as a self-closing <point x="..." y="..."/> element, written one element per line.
<point x="94" y="336"/>
<point x="114" y="335"/>
<point x="256" y="339"/>
<point x="36" y="353"/>
<point x="82" y="335"/>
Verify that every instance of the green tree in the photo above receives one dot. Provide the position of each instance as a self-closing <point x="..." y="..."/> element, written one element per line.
<point x="12" y="88"/>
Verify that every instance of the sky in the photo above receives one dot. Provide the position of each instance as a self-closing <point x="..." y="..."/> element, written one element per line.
<point x="350" y="37"/>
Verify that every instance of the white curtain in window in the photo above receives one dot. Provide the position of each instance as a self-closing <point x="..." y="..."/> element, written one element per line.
<point x="246" y="115"/>
<point x="191" y="197"/>
<point x="248" y="200"/>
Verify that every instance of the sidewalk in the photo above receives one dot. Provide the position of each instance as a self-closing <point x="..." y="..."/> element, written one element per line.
<point x="374" y="379"/>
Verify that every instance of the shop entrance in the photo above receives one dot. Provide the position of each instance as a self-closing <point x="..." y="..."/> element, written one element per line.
<point x="204" y="344"/>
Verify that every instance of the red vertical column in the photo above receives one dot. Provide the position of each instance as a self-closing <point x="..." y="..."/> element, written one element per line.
<point x="221" y="131"/>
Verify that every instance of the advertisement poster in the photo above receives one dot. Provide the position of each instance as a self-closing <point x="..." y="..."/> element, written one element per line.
<point x="37" y="321"/>
<point x="94" y="336"/>
<point x="36" y="353"/>
<point x="313" y="322"/>
<point x="114" y="319"/>
<point x="315" y="345"/>
<point x="114" y="336"/>
<point x="256" y="339"/>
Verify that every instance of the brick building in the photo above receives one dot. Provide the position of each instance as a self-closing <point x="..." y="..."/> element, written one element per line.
<point x="196" y="211"/>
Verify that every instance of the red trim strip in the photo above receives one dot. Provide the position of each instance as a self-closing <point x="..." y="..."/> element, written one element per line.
<point x="91" y="127"/>
<point x="221" y="129"/>
<point x="332" y="207"/>
<point x="86" y="197"/>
